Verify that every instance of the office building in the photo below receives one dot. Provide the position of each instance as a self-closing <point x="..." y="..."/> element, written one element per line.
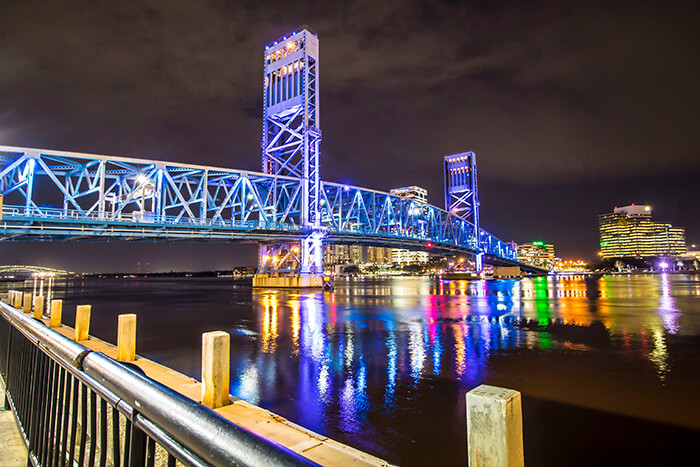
<point x="401" y="256"/>
<point x="538" y="254"/>
<point x="355" y="254"/>
<point x="411" y="192"/>
<point x="629" y="231"/>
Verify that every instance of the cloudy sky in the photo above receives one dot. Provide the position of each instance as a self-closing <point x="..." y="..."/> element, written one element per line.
<point x="572" y="107"/>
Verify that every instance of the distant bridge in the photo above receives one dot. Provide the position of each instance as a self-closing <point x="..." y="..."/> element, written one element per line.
<point x="32" y="269"/>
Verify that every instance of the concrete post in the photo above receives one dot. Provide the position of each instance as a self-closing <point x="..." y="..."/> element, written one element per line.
<point x="18" y="300"/>
<point x="39" y="306"/>
<point x="82" y="322"/>
<point x="126" y="338"/>
<point x="494" y="427"/>
<point x="56" y="312"/>
<point x="27" y="307"/>
<point x="216" y="355"/>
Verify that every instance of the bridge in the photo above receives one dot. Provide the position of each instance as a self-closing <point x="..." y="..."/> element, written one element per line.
<point x="38" y="270"/>
<point x="287" y="209"/>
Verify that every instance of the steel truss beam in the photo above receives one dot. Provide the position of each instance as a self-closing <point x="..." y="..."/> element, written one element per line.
<point x="63" y="195"/>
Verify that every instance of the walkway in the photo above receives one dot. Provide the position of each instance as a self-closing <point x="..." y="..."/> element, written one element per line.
<point x="13" y="451"/>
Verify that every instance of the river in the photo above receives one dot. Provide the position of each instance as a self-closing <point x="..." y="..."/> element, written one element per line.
<point x="608" y="365"/>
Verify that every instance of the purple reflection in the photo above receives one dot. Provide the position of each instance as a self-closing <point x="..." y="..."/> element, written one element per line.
<point x="667" y="307"/>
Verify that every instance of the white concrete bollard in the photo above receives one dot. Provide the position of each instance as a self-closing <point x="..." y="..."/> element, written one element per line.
<point x="494" y="427"/>
<point x="216" y="356"/>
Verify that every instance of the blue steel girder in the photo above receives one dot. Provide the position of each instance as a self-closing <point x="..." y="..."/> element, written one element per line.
<point x="62" y="195"/>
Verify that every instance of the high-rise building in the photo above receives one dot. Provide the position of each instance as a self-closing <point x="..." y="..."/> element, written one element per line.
<point x="538" y="254"/>
<point x="629" y="231"/>
<point x="399" y="255"/>
<point x="411" y="192"/>
<point x="355" y="254"/>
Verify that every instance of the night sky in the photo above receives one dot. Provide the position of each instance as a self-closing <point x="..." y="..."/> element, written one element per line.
<point x="572" y="107"/>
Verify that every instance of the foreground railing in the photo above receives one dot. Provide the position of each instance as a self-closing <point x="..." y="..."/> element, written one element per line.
<point x="75" y="406"/>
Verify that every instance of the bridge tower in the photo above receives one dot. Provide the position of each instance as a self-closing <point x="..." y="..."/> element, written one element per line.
<point x="462" y="194"/>
<point x="291" y="143"/>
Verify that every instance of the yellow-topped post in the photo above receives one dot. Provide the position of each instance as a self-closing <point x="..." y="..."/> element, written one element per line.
<point x="126" y="338"/>
<point x="82" y="322"/>
<point x="216" y="356"/>
<point x="39" y="306"/>
<point x="56" y="312"/>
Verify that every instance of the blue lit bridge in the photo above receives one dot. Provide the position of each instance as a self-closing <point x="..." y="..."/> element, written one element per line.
<point x="287" y="209"/>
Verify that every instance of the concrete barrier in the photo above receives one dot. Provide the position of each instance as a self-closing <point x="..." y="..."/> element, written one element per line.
<point x="494" y="427"/>
<point x="216" y="356"/>
<point x="82" y="323"/>
<point x="126" y="338"/>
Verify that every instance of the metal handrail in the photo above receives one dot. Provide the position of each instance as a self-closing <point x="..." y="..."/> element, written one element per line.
<point x="190" y="432"/>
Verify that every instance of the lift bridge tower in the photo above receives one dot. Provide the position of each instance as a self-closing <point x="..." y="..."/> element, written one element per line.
<point x="291" y="146"/>
<point x="462" y="195"/>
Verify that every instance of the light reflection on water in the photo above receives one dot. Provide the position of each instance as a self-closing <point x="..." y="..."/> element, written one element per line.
<point x="373" y="349"/>
<point x="383" y="364"/>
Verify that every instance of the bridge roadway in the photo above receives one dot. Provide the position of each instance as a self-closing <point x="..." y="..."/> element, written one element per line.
<point x="58" y="196"/>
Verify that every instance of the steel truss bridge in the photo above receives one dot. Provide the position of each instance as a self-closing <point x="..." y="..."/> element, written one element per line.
<point x="287" y="209"/>
<point x="56" y="195"/>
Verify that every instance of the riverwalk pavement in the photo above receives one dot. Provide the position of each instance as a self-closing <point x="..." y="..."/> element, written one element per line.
<point x="13" y="452"/>
<point x="313" y="446"/>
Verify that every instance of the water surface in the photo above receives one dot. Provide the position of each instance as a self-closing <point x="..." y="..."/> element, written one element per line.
<point x="608" y="366"/>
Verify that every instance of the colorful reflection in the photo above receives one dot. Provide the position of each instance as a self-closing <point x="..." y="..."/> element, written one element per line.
<point x="373" y="349"/>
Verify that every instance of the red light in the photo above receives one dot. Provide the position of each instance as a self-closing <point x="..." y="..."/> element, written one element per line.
<point x="429" y="244"/>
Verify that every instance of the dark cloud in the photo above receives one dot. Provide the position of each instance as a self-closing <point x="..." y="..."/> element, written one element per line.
<point x="557" y="98"/>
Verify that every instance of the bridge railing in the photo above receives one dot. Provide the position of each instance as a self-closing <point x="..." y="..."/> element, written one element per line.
<point x="81" y="407"/>
<point x="51" y="213"/>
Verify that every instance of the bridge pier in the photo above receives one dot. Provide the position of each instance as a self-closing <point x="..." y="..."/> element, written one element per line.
<point x="296" y="281"/>
<point x="295" y="265"/>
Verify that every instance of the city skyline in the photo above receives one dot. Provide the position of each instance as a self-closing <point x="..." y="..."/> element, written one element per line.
<point x="591" y="119"/>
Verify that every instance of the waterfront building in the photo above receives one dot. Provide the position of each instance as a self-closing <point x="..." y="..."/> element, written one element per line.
<point x="355" y="254"/>
<point x="570" y="265"/>
<point x="411" y="192"/>
<point x="630" y="231"/>
<point x="401" y="256"/>
<point x="537" y="254"/>
<point x="693" y="252"/>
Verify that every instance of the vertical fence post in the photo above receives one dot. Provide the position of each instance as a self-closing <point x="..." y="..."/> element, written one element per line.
<point x="27" y="307"/>
<point x="126" y="338"/>
<point x="82" y="322"/>
<point x="216" y="355"/>
<point x="494" y="427"/>
<point x="56" y="312"/>
<point x="39" y="306"/>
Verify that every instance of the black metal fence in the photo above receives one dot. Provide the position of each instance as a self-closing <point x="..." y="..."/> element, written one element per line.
<point x="79" y="407"/>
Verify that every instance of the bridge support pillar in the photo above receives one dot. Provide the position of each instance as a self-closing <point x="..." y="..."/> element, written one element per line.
<point x="479" y="263"/>
<point x="291" y="265"/>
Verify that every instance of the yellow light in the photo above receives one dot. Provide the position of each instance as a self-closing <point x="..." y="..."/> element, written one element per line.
<point x="266" y="258"/>
<point x="290" y="45"/>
